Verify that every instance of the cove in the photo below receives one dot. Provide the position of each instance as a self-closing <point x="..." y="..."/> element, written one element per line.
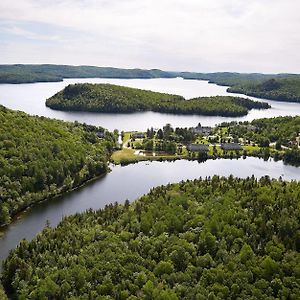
<point x="130" y="182"/>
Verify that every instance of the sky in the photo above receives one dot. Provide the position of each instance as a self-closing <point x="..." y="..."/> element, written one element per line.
<point x="177" y="35"/>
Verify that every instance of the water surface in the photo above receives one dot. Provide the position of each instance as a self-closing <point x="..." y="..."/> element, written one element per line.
<point x="131" y="182"/>
<point x="31" y="98"/>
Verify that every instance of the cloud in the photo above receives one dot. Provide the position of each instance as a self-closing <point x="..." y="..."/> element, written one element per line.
<point x="196" y="35"/>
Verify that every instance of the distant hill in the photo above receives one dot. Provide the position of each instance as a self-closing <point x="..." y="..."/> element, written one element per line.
<point x="108" y="98"/>
<point x="279" y="89"/>
<point x="234" y="79"/>
<point x="247" y="83"/>
<point x="43" y="73"/>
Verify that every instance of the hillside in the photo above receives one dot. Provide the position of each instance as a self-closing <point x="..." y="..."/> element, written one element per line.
<point x="107" y="98"/>
<point x="40" y="158"/>
<point x="279" y="89"/>
<point x="204" y="239"/>
<point x="43" y="73"/>
<point x="26" y="73"/>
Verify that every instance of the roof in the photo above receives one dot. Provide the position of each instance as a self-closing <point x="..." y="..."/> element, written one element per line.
<point x="231" y="146"/>
<point x="204" y="129"/>
<point x="138" y="135"/>
<point x="197" y="147"/>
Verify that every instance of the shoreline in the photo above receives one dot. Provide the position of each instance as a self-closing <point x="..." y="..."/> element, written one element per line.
<point x="20" y="214"/>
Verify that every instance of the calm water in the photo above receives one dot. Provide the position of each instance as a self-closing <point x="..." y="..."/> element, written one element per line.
<point x="31" y="99"/>
<point x="131" y="182"/>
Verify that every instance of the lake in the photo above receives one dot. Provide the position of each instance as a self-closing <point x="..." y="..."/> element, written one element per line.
<point x="31" y="98"/>
<point x="130" y="182"/>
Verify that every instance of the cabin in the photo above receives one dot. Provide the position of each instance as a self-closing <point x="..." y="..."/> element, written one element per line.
<point x="205" y="130"/>
<point x="138" y="135"/>
<point x="231" y="147"/>
<point x="197" y="147"/>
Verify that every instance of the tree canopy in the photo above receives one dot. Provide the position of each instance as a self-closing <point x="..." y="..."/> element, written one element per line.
<point x="20" y="73"/>
<point x="279" y="89"/>
<point x="213" y="238"/>
<point x="108" y="98"/>
<point x="40" y="158"/>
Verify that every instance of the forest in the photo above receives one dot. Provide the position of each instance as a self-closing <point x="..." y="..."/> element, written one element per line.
<point x="279" y="89"/>
<point x="252" y="84"/>
<point x="26" y="73"/>
<point x="42" y="73"/>
<point x="212" y="238"/>
<point x="41" y="158"/>
<point x="108" y="98"/>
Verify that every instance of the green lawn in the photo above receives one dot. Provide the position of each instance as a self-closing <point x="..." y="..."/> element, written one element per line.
<point x="126" y="136"/>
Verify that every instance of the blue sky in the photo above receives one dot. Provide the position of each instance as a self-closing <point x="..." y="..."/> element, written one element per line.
<point x="193" y="35"/>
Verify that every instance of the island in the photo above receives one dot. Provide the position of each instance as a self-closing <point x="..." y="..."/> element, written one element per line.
<point x="41" y="158"/>
<point x="214" y="238"/>
<point x="279" y="87"/>
<point x="109" y="98"/>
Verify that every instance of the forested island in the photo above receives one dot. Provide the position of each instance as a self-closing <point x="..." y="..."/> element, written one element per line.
<point x="108" y="98"/>
<point x="41" y="158"/>
<point x="215" y="238"/>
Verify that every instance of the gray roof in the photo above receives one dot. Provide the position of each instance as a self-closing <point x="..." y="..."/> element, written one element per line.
<point x="138" y="135"/>
<point x="202" y="129"/>
<point x="231" y="146"/>
<point x="197" y="147"/>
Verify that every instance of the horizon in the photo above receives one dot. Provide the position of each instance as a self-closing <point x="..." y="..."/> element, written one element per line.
<point x="139" y="68"/>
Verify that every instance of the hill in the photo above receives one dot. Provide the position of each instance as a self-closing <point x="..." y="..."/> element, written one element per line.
<point x="108" y="98"/>
<point x="279" y="89"/>
<point x="40" y="158"/>
<point x="43" y="73"/>
<point x="216" y="238"/>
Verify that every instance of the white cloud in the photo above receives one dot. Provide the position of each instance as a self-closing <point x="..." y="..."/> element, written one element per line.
<point x="197" y="35"/>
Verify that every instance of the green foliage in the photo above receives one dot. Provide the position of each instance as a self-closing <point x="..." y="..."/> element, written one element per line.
<point x="279" y="89"/>
<point x="2" y="293"/>
<point x="216" y="238"/>
<point x="282" y="87"/>
<point x="283" y="131"/>
<point x="39" y="73"/>
<point x="109" y="98"/>
<point x="40" y="158"/>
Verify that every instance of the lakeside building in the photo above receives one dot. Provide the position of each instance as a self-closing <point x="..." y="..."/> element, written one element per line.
<point x="198" y="147"/>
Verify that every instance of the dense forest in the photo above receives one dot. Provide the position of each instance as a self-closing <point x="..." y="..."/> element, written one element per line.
<point x="214" y="238"/>
<point x="235" y="79"/>
<point x="281" y="89"/>
<point x="40" y="158"/>
<point x="40" y="73"/>
<point x="110" y="98"/>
